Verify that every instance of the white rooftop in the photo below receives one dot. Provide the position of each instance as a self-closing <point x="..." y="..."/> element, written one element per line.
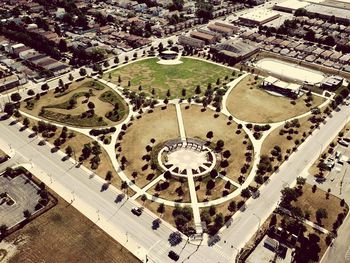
<point x="260" y="15"/>
<point x="293" y="4"/>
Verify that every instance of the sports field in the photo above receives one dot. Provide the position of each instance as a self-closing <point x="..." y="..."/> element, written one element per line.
<point x="158" y="78"/>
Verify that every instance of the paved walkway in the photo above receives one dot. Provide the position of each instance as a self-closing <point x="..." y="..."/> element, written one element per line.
<point x="180" y="122"/>
<point x="194" y="201"/>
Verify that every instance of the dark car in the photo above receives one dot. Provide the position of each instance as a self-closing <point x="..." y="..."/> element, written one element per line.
<point x="173" y="255"/>
<point x="136" y="211"/>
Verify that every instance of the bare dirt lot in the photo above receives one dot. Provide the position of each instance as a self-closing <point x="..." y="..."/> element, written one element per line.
<point x="250" y="103"/>
<point x="65" y="235"/>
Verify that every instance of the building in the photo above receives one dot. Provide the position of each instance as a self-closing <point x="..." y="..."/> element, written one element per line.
<point x="221" y="29"/>
<point x="235" y="50"/>
<point x="190" y="41"/>
<point x="208" y="39"/>
<point x="286" y="89"/>
<point x="339" y="13"/>
<point x="332" y="83"/>
<point x="258" y="17"/>
<point x="11" y="81"/>
<point x="290" y="6"/>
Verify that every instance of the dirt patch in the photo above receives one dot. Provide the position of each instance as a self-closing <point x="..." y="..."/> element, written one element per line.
<point x="246" y="97"/>
<point x="65" y="235"/>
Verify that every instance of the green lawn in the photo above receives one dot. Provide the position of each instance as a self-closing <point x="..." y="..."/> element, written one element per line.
<point x="150" y="75"/>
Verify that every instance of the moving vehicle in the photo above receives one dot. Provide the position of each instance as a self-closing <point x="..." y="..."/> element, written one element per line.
<point x="136" y="211"/>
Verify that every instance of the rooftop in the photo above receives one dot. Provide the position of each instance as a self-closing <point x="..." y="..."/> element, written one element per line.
<point x="260" y="15"/>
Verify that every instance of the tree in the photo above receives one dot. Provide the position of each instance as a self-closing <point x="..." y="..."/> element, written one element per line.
<point x="124" y="185"/>
<point x="197" y="90"/>
<point x="26" y="213"/>
<point x="213" y="173"/>
<point x="143" y="198"/>
<point x="183" y="92"/>
<point x="219" y="220"/>
<point x="212" y="210"/>
<point x="168" y="93"/>
<point x="109" y="176"/>
<point x="320" y="214"/>
<point x="16" y="97"/>
<point x="161" y="208"/>
<point x="91" y="105"/>
<point x="9" y="108"/>
<point x="60" y="83"/>
<point x="69" y="150"/>
<point x="301" y="180"/>
<point x="219" y="144"/>
<point x="3" y="229"/>
<point x="226" y="154"/>
<point x="210" y="184"/>
<point x="167" y="175"/>
<point x="210" y="135"/>
<point x="245" y="193"/>
<point x="26" y="122"/>
<point x="82" y="71"/>
<point x="116" y="60"/>
<point x="205" y="216"/>
<point x="62" y="45"/>
<point x="70" y="77"/>
<point x="232" y="206"/>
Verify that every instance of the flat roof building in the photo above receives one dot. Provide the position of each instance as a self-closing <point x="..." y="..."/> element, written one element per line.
<point x="208" y="39"/>
<point x="290" y="6"/>
<point x="258" y="17"/>
<point x="235" y="50"/>
<point x="190" y="41"/>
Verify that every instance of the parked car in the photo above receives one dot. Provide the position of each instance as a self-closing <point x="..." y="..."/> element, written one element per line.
<point x="173" y="255"/>
<point x="136" y="211"/>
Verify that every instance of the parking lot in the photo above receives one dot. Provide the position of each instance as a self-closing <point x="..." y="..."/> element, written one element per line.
<point x="18" y="194"/>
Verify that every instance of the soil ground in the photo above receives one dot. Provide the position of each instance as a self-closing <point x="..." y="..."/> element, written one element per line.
<point x="63" y="234"/>
<point x="246" y="97"/>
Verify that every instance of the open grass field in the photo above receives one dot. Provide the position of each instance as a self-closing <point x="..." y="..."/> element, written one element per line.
<point x="198" y="124"/>
<point x="71" y="106"/>
<point x="160" y="125"/>
<point x="65" y="235"/>
<point x="310" y="201"/>
<point x="250" y="103"/>
<point x="150" y="75"/>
